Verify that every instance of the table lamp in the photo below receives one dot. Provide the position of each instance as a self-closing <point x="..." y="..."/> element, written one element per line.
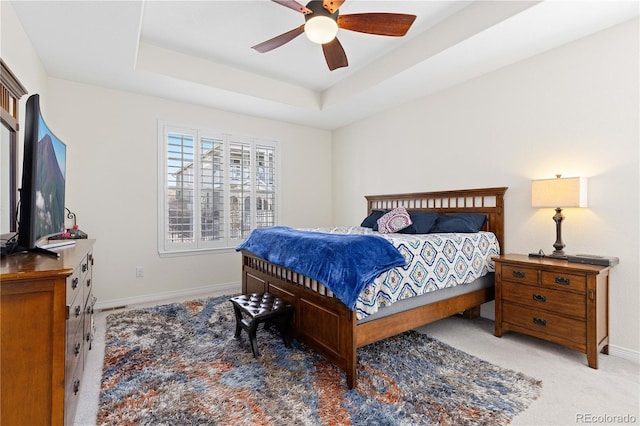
<point x="559" y="193"/>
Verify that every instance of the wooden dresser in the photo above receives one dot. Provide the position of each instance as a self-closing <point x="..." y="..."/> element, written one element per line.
<point x="46" y="330"/>
<point x="555" y="300"/>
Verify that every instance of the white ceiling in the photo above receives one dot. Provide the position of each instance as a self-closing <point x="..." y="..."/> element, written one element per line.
<point x="200" y="51"/>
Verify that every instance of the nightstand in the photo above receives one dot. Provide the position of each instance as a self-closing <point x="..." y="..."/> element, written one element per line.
<point x="555" y="300"/>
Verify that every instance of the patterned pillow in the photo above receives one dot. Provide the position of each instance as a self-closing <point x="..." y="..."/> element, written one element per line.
<point x="394" y="221"/>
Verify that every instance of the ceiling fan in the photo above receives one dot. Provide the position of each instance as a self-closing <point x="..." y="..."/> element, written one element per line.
<point x="322" y="21"/>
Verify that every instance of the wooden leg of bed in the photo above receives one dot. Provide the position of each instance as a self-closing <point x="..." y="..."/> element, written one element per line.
<point x="351" y="380"/>
<point x="351" y="351"/>
<point x="472" y="312"/>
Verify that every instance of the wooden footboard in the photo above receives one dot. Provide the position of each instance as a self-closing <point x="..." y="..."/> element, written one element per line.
<point x="320" y="320"/>
<point x="326" y="325"/>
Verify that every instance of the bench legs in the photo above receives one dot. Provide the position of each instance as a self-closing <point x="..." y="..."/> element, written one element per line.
<point x="251" y="326"/>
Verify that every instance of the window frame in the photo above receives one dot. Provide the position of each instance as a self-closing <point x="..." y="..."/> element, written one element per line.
<point x="227" y="243"/>
<point x="11" y="90"/>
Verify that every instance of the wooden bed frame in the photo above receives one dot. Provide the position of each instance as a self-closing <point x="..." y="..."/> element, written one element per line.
<point x="326" y="325"/>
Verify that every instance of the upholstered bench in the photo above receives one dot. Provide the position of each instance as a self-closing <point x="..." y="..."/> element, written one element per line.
<point x="253" y="309"/>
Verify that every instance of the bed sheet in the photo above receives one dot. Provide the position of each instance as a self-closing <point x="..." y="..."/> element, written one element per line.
<point x="434" y="262"/>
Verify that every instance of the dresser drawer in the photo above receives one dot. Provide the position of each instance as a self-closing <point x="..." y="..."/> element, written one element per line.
<point x="74" y="286"/>
<point x="559" y="302"/>
<point x="74" y="348"/>
<point x="520" y="274"/>
<point x="545" y="322"/>
<point x="89" y="327"/>
<point x="85" y="280"/>
<point x="72" y="395"/>
<point x="561" y="280"/>
<point x="85" y="265"/>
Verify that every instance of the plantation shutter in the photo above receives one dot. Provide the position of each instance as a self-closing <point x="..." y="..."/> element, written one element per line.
<point x="217" y="188"/>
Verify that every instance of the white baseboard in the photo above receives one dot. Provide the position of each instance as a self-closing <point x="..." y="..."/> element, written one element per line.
<point x="624" y="353"/>
<point x="210" y="290"/>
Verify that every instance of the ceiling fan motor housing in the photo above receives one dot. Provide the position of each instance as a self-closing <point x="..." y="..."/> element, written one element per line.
<point x="316" y="7"/>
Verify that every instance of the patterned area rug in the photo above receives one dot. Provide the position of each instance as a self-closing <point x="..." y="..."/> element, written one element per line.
<point x="179" y="364"/>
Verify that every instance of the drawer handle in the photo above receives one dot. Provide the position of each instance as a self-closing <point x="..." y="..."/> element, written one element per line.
<point x="89" y="282"/>
<point x="519" y="274"/>
<point x="562" y="280"/>
<point x="540" y="321"/>
<point x="76" y="386"/>
<point x="78" y="310"/>
<point x="539" y="298"/>
<point x="76" y="349"/>
<point x="74" y="283"/>
<point x="84" y="267"/>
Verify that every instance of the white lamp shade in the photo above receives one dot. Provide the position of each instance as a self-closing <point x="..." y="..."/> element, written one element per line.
<point x="559" y="192"/>
<point x="321" y="29"/>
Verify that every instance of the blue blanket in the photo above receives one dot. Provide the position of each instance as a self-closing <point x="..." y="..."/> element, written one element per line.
<point x="345" y="264"/>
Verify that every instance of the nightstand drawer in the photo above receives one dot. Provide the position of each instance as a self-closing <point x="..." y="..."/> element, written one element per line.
<point x="545" y="322"/>
<point x="564" y="281"/>
<point x="542" y="298"/>
<point x="520" y="274"/>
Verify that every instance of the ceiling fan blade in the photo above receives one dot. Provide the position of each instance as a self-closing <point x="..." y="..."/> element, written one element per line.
<point x="292" y="4"/>
<point x="388" y="24"/>
<point x="334" y="54"/>
<point x="278" y="41"/>
<point x="332" y="5"/>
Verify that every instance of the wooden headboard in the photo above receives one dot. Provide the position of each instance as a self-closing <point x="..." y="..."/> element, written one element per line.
<point x="489" y="201"/>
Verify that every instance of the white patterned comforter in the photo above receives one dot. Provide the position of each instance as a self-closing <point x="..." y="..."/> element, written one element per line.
<point x="434" y="262"/>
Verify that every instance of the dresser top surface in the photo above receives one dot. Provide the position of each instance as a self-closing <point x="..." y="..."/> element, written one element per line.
<point x="31" y="265"/>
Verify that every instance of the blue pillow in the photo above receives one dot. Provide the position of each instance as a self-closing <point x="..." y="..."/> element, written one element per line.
<point x="422" y="223"/>
<point x="459" y="222"/>
<point x="371" y="221"/>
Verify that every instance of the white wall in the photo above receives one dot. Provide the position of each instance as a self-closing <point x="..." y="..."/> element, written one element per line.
<point x="112" y="185"/>
<point x="573" y="110"/>
<point x="18" y="53"/>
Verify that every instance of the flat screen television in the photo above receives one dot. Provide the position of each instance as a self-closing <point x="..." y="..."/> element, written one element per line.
<point x="42" y="203"/>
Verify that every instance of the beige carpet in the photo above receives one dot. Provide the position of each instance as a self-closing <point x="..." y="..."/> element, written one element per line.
<point x="572" y="393"/>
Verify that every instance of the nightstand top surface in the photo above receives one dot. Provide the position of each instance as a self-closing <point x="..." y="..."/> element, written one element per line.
<point x="523" y="259"/>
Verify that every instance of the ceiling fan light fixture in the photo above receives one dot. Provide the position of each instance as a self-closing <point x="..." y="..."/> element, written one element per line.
<point x="321" y="29"/>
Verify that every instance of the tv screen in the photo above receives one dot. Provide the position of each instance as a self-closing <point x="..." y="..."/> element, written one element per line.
<point x="42" y="210"/>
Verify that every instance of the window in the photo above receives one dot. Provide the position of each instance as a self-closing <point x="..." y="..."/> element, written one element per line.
<point x="216" y="187"/>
